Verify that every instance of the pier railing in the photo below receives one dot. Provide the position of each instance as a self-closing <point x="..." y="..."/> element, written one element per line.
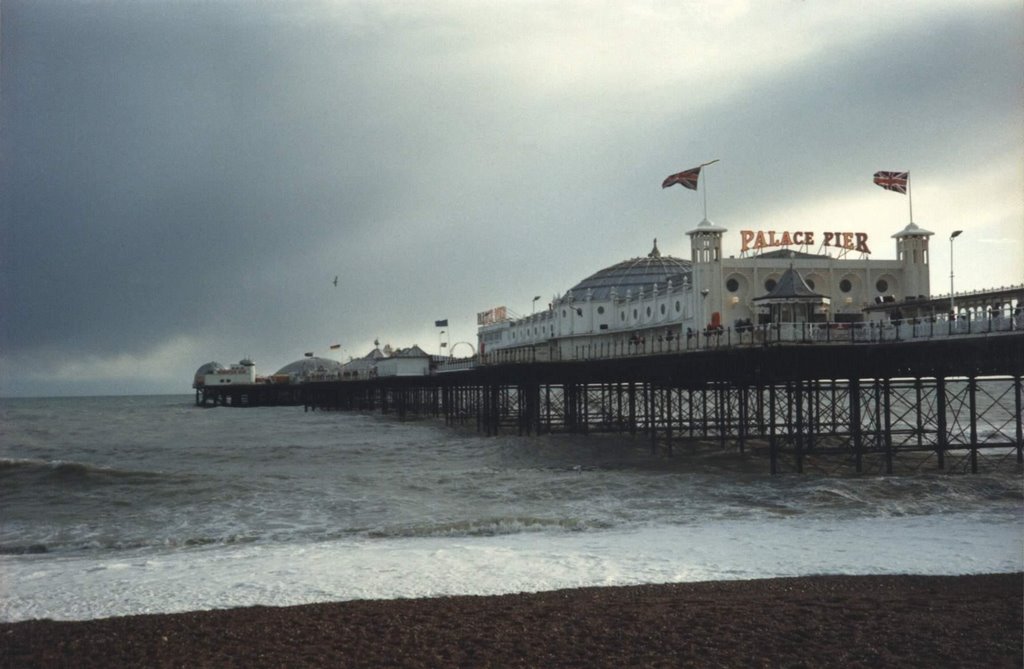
<point x="767" y="334"/>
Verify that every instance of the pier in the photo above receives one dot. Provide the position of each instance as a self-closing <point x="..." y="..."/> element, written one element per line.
<point x="873" y="407"/>
<point x="881" y="398"/>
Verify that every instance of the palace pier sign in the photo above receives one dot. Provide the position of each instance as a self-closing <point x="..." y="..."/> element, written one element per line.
<point x="752" y="240"/>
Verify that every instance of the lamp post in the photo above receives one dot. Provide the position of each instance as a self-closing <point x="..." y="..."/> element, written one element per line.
<point x="952" y="302"/>
<point x="533" y="307"/>
<point x="440" y="344"/>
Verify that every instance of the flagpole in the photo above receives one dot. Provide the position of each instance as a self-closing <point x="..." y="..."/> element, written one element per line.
<point x="910" y="198"/>
<point x="705" y="197"/>
<point x="703" y="165"/>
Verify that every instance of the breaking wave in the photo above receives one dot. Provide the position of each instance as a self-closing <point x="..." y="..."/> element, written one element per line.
<point x="21" y="471"/>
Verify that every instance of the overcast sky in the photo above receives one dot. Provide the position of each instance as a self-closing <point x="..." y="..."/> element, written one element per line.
<point x="182" y="181"/>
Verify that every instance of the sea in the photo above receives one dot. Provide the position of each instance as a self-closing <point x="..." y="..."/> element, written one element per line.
<point x="113" y="506"/>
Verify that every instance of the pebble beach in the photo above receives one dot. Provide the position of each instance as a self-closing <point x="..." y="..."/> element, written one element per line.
<point x="817" y="621"/>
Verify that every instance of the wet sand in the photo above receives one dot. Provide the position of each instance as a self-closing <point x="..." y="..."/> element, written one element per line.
<point x="828" y="621"/>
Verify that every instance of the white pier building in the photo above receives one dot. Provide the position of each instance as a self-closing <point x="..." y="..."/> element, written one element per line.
<point x="648" y="302"/>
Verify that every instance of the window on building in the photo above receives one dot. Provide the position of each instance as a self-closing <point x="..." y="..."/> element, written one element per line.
<point x="882" y="285"/>
<point x="600" y="310"/>
<point x="845" y="285"/>
<point x="732" y="285"/>
<point x="810" y="283"/>
<point x="769" y="285"/>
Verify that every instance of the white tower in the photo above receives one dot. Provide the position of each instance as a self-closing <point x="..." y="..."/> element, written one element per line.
<point x="706" y="254"/>
<point x="912" y="252"/>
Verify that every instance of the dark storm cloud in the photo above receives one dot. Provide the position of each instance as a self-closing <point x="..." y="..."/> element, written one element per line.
<point x="121" y="197"/>
<point x="173" y="167"/>
<point x="157" y="152"/>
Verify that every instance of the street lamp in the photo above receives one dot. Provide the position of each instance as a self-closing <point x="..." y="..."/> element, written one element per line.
<point x="952" y="303"/>
<point x="533" y="307"/>
<point x="440" y="344"/>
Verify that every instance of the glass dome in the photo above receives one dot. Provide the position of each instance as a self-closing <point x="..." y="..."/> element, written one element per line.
<point x="311" y="366"/>
<point x="209" y="368"/>
<point x="635" y="274"/>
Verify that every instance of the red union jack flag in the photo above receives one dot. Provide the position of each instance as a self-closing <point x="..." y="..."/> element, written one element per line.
<point x="687" y="179"/>
<point x="896" y="181"/>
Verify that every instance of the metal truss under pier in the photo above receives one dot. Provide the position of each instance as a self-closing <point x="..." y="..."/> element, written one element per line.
<point x="887" y="408"/>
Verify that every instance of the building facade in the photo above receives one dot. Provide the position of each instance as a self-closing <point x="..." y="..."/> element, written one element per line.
<point x="653" y="300"/>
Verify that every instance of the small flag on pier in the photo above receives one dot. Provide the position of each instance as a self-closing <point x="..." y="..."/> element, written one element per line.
<point x="441" y="323"/>
<point x="687" y="179"/>
<point x="896" y="181"/>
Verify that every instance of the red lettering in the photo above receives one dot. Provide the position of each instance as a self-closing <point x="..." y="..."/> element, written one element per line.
<point x="754" y="240"/>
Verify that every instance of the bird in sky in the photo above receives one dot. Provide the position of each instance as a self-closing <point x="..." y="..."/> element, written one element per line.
<point x="335" y="281"/>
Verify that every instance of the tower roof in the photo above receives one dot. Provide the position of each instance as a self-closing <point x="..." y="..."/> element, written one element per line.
<point x="706" y="226"/>
<point x="913" y="231"/>
<point x="791" y="287"/>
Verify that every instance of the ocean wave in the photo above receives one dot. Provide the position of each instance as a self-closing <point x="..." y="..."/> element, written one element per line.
<point x="488" y="527"/>
<point x="86" y="545"/>
<point x="23" y="549"/>
<point x="913" y="495"/>
<point x="63" y="472"/>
